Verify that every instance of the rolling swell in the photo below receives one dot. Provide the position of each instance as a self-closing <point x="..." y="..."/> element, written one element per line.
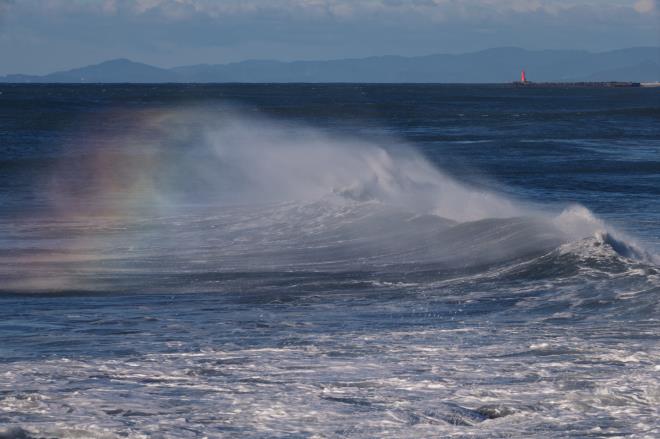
<point x="198" y="201"/>
<point x="347" y="287"/>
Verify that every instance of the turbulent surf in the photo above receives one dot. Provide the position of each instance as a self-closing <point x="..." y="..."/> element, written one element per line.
<point x="212" y="270"/>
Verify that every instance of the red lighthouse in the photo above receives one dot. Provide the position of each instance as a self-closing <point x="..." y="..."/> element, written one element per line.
<point x="523" y="78"/>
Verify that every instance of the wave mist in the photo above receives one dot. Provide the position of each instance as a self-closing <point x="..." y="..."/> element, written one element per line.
<point x="179" y="199"/>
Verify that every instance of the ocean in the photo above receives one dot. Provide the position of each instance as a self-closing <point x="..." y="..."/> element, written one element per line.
<point x="329" y="261"/>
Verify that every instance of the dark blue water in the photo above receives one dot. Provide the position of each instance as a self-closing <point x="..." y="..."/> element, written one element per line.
<point x="329" y="261"/>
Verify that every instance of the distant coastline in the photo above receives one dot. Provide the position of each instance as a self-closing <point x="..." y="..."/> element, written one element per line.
<point x="564" y="68"/>
<point x="605" y="84"/>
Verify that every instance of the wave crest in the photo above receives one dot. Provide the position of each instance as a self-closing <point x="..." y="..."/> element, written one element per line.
<point x="197" y="194"/>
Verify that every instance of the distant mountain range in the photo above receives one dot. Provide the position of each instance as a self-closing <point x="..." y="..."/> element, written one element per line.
<point x="639" y="64"/>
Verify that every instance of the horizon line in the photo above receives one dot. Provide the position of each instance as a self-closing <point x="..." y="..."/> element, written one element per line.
<point x="292" y="61"/>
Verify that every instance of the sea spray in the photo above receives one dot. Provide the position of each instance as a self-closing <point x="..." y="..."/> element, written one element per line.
<point x="346" y="310"/>
<point x="174" y="159"/>
<point x="201" y="192"/>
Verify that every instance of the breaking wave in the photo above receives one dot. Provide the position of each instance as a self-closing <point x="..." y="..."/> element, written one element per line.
<point x="201" y="200"/>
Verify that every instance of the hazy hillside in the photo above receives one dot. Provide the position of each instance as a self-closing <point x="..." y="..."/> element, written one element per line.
<point x="487" y="66"/>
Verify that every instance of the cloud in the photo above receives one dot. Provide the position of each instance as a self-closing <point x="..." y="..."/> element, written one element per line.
<point x="339" y="9"/>
<point x="4" y="9"/>
<point x="367" y="8"/>
<point x="645" y="6"/>
<point x="4" y="6"/>
<point x="39" y="36"/>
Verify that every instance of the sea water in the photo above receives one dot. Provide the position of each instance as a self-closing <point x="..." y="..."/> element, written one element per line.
<point x="328" y="261"/>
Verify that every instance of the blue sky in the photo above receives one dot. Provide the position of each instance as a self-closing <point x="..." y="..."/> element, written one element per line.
<point x="40" y="36"/>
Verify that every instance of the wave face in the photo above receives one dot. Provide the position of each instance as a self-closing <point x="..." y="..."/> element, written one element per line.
<point x="208" y="272"/>
<point x="199" y="195"/>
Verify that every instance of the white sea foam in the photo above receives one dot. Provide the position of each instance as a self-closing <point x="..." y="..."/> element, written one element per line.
<point x="402" y="383"/>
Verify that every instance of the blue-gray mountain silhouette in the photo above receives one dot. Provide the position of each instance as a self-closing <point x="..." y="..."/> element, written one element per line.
<point x="640" y="64"/>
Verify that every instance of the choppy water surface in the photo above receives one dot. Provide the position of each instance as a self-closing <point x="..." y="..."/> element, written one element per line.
<point x="329" y="261"/>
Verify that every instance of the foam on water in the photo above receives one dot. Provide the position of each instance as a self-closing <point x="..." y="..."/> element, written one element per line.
<point x="346" y="288"/>
<point x="312" y="371"/>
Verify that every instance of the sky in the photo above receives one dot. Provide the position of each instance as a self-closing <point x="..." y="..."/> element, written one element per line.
<point x="42" y="36"/>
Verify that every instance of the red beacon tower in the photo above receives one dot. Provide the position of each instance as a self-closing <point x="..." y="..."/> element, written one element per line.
<point x="523" y="78"/>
